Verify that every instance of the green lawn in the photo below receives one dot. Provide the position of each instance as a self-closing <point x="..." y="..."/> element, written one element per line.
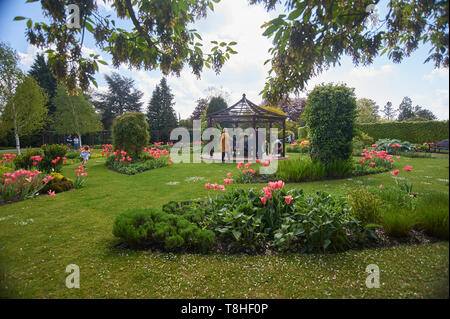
<point x="40" y="237"/>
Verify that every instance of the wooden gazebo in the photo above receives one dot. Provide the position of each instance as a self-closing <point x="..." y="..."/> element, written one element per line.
<point x="248" y="112"/>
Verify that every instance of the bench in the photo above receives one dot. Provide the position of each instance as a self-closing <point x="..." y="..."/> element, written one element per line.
<point x="442" y="145"/>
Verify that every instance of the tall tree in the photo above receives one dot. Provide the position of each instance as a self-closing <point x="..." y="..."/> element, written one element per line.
<point x="158" y="35"/>
<point x="202" y="104"/>
<point x="10" y="74"/>
<point x="75" y="114"/>
<point x="311" y="36"/>
<point x="405" y="109"/>
<point x="121" y="97"/>
<point x="160" y="113"/>
<point x="388" y="111"/>
<point x="40" y="71"/>
<point x="367" y="111"/>
<point x="26" y="111"/>
<point x="216" y="103"/>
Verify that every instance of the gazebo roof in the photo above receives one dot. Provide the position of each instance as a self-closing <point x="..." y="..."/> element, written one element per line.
<point x="246" y="111"/>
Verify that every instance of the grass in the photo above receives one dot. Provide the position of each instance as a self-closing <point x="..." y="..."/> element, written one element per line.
<point x="40" y="237"/>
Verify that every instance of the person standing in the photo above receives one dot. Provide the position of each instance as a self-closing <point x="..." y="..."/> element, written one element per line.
<point x="225" y="145"/>
<point x="75" y="143"/>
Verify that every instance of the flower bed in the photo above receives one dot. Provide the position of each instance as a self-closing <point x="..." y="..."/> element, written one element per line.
<point x="149" y="159"/>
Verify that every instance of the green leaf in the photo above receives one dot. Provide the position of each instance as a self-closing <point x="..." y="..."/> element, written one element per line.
<point x="102" y="62"/>
<point x="19" y="18"/>
<point x="295" y="14"/>
<point x="271" y="30"/>
<point x="326" y="244"/>
<point x="236" y="234"/>
<point x="29" y="23"/>
<point x="211" y="6"/>
<point x="232" y="43"/>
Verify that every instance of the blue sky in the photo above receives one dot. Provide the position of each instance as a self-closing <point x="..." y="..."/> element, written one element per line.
<point x="235" y="20"/>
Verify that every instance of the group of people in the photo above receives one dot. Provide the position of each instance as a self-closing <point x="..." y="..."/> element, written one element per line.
<point x="75" y="142"/>
<point x="84" y="153"/>
<point x="228" y="145"/>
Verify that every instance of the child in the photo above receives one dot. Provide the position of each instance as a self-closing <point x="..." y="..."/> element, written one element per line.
<point x="85" y="154"/>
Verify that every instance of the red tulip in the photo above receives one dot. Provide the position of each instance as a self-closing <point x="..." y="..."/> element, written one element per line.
<point x="207" y="186"/>
<point x="227" y="181"/>
<point x="407" y="168"/>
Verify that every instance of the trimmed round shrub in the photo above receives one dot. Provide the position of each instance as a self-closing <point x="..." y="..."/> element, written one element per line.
<point x="51" y="153"/>
<point x="330" y="115"/>
<point x="151" y="227"/>
<point x="130" y="133"/>
<point x="58" y="184"/>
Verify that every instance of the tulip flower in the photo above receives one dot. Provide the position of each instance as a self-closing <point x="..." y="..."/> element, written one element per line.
<point x="280" y="184"/>
<point x="208" y="186"/>
<point x="372" y="164"/>
<point x="227" y="181"/>
<point x="407" y="168"/>
<point x="288" y="199"/>
<point x="381" y="186"/>
<point x="51" y="193"/>
<point x="84" y="174"/>
<point x="222" y="188"/>
<point x="229" y="175"/>
<point x="215" y="186"/>
<point x="263" y="200"/>
<point x="395" y="173"/>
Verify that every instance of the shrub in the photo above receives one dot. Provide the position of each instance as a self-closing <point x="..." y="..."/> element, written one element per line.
<point x="150" y="227"/>
<point x="362" y="140"/>
<point x="53" y="157"/>
<point x="135" y="167"/>
<point x="24" y="161"/>
<point x="415" y="132"/>
<point x="366" y="207"/>
<point x="394" y="146"/>
<point x="58" y="184"/>
<point x="130" y="133"/>
<point x="330" y="115"/>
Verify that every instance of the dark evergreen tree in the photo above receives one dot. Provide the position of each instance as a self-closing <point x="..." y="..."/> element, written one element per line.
<point x="405" y="109"/>
<point x="40" y="71"/>
<point x="121" y="97"/>
<point x="217" y="103"/>
<point x="161" y="116"/>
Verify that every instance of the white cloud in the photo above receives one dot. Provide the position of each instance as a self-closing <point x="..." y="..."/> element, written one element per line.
<point x="439" y="74"/>
<point x="371" y="72"/>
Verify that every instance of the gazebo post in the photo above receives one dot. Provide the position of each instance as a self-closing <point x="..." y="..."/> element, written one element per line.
<point x="256" y="133"/>
<point x="284" y="138"/>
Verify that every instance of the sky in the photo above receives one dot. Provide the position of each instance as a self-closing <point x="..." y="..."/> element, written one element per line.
<point x="235" y="20"/>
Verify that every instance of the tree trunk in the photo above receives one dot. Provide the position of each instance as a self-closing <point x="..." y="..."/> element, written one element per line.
<point x="79" y="137"/>
<point x="16" y="130"/>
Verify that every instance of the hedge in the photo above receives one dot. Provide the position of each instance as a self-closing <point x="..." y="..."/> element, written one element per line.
<point x="414" y="132"/>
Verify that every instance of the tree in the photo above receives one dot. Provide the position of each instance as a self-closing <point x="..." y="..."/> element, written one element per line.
<point x="389" y="111"/>
<point x="293" y="107"/>
<point x="160" y="36"/>
<point x="330" y="115"/>
<point x="74" y="114"/>
<point x="199" y="110"/>
<point x="314" y="35"/>
<point x="367" y="111"/>
<point x="130" y="133"/>
<point x="40" y="71"/>
<point x="121" y="97"/>
<point x="405" y="109"/>
<point x="422" y="114"/>
<point x="10" y="74"/>
<point x="26" y="111"/>
<point x="160" y="113"/>
<point x="216" y="104"/>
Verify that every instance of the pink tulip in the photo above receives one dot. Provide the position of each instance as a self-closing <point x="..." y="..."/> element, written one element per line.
<point x="361" y="160"/>
<point x="280" y="184"/>
<point x="288" y="199"/>
<point x="84" y="174"/>
<point x="215" y="186"/>
<point x="263" y="200"/>
<point x="407" y="168"/>
<point x="229" y="174"/>
<point x="395" y="173"/>
<point x="222" y="188"/>
<point x="51" y="193"/>
<point x="372" y="164"/>
<point x="227" y="181"/>
<point x="208" y="186"/>
<point x="381" y="186"/>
